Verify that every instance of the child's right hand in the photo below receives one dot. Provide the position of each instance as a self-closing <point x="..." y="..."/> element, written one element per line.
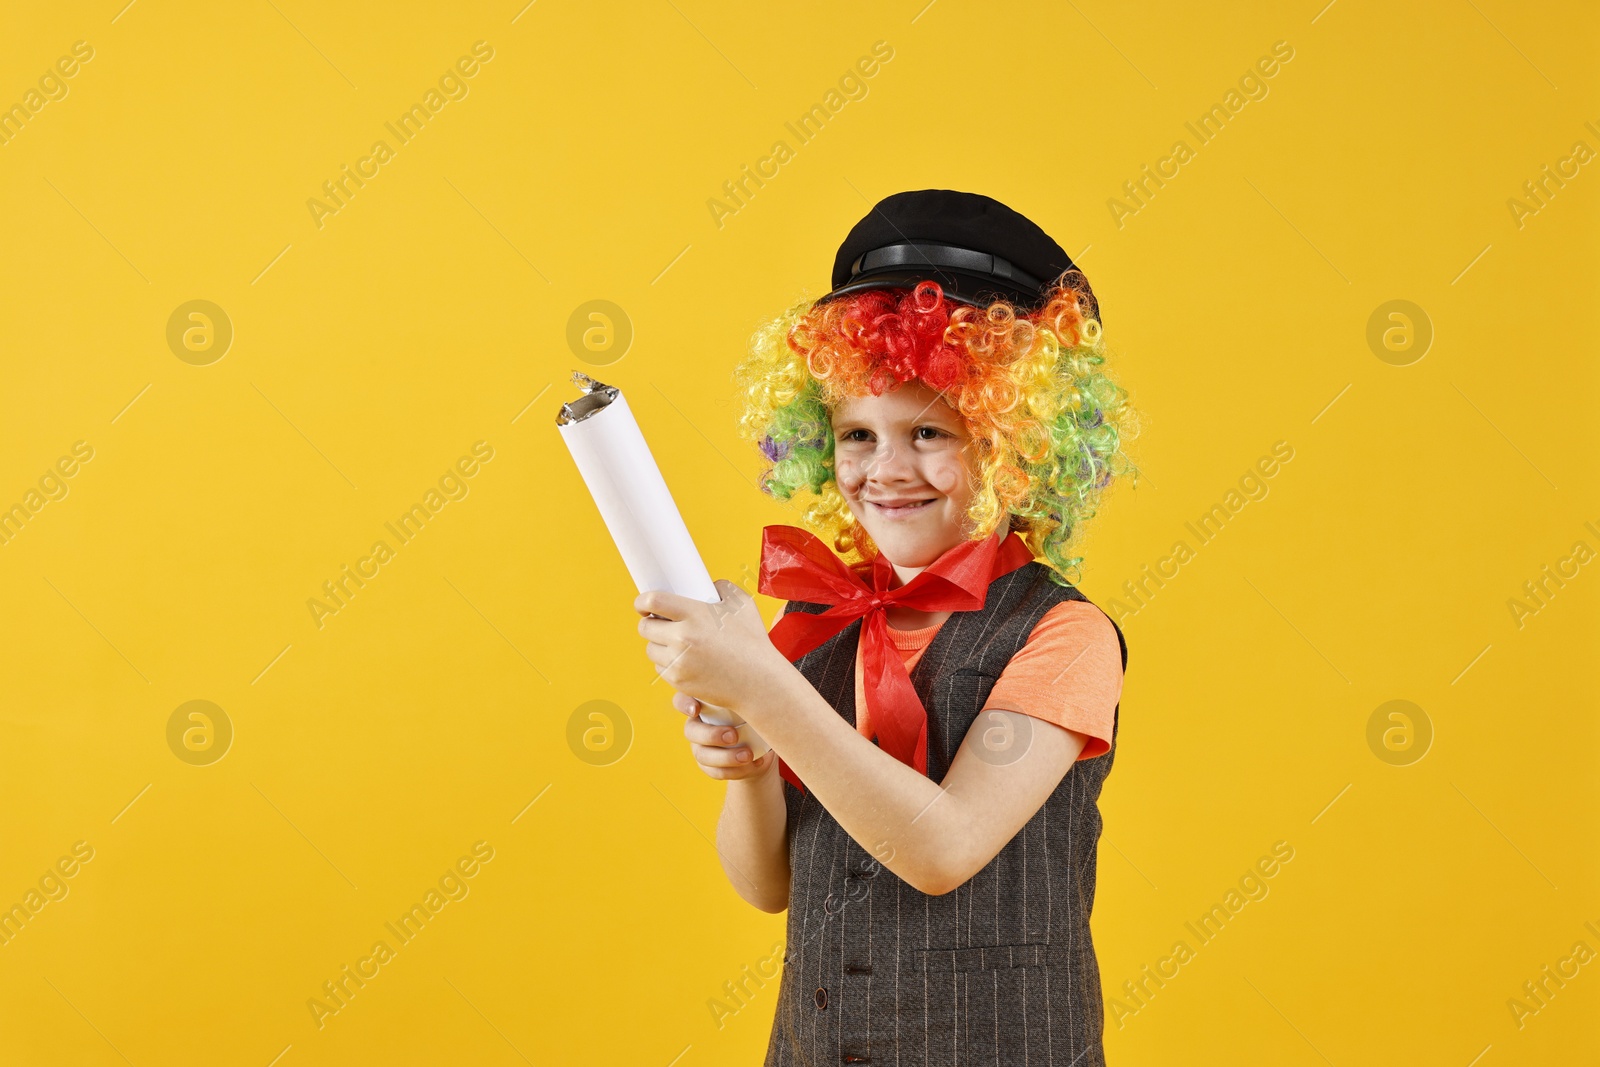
<point x="717" y="748"/>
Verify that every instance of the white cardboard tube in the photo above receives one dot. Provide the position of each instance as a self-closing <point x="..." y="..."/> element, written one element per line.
<point x="643" y="520"/>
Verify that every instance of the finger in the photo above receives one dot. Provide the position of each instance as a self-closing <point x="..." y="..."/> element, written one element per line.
<point x="700" y="732"/>
<point x="741" y="771"/>
<point x="734" y="600"/>
<point x="661" y="655"/>
<point x="712" y="756"/>
<point x="685" y="703"/>
<point x="656" y="629"/>
<point x="663" y="603"/>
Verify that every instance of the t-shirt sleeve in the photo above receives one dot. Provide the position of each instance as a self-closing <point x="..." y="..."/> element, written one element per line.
<point x="1069" y="672"/>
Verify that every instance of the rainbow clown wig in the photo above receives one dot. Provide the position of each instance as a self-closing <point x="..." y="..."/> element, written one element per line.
<point x="1046" y="423"/>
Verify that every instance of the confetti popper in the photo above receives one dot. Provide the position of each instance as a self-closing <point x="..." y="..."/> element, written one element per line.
<point x="610" y="451"/>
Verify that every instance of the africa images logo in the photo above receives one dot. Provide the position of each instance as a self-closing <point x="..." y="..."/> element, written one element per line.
<point x="453" y="85"/>
<point x="339" y="591"/>
<point x="340" y="990"/>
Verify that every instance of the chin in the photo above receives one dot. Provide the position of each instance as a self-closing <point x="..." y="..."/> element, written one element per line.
<point x="903" y="554"/>
<point x="908" y="548"/>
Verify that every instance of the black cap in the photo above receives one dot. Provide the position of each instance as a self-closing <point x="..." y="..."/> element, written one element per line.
<point x="975" y="247"/>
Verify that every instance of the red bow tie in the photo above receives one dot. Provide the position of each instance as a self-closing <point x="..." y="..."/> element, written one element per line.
<point x="796" y="565"/>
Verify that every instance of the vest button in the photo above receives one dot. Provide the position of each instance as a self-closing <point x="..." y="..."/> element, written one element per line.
<point x="821" y="997"/>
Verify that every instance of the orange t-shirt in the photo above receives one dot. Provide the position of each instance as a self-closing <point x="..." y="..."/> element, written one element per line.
<point x="1068" y="672"/>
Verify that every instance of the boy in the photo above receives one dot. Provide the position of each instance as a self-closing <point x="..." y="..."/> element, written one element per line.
<point x="946" y="706"/>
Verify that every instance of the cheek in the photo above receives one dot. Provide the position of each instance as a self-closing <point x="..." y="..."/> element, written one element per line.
<point x="947" y="476"/>
<point x="847" y="473"/>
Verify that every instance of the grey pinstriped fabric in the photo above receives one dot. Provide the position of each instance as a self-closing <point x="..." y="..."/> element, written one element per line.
<point x="1000" y="971"/>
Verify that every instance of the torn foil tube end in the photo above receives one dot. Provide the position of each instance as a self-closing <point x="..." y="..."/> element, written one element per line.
<point x="596" y="397"/>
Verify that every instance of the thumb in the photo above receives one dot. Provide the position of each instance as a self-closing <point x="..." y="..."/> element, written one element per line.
<point x="729" y="590"/>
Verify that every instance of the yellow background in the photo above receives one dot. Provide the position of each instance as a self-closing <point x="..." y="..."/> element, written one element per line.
<point x="432" y="310"/>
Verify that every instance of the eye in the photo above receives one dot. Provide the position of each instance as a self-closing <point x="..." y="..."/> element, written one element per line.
<point x="937" y="433"/>
<point x="850" y="435"/>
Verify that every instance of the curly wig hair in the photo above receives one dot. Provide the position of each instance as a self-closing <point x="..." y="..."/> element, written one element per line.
<point x="1046" y="422"/>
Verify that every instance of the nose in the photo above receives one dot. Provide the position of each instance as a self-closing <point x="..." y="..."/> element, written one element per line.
<point x="888" y="463"/>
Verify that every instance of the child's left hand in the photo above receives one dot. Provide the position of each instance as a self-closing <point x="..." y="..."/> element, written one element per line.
<point x="717" y="653"/>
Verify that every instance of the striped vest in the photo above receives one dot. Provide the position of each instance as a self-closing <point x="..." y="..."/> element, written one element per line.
<point x="1001" y="970"/>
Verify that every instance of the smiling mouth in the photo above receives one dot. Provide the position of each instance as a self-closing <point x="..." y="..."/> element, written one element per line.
<point x="902" y="509"/>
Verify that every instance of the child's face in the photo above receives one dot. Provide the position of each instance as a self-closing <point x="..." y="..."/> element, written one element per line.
<point x="906" y="446"/>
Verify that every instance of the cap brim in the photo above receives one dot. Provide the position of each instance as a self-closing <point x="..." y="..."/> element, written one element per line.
<point x="959" y="288"/>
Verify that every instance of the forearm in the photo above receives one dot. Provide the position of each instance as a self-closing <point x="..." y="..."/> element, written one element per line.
<point x="751" y="840"/>
<point x="904" y="819"/>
